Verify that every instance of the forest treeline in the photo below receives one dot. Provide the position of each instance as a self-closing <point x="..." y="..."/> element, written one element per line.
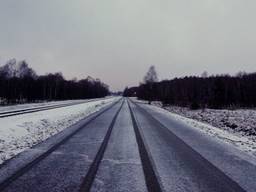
<point x="221" y="91"/>
<point x="19" y="83"/>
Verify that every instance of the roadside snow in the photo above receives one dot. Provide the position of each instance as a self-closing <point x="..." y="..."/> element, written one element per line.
<point x="235" y="127"/>
<point x="240" y="120"/>
<point x="40" y="104"/>
<point x="18" y="133"/>
<point x="244" y="143"/>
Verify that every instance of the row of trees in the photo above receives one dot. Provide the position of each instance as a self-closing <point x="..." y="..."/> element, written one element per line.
<point x="219" y="91"/>
<point x="19" y="83"/>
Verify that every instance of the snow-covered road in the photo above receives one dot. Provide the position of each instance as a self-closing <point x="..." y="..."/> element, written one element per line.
<point x="129" y="146"/>
<point x="20" y="132"/>
<point x="234" y="127"/>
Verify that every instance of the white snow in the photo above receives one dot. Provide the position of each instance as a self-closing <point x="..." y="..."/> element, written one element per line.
<point x="217" y="124"/>
<point x="242" y="142"/>
<point x="39" y="104"/>
<point x="18" y="133"/>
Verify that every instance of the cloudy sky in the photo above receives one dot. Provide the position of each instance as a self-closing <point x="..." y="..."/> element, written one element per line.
<point x="117" y="40"/>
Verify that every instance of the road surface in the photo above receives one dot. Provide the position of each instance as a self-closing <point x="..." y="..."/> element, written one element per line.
<point x="129" y="146"/>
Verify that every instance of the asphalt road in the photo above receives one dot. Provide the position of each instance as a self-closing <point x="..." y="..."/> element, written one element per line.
<point x="131" y="147"/>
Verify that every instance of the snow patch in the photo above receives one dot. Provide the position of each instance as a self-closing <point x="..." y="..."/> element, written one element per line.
<point x="235" y="127"/>
<point x="21" y="132"/>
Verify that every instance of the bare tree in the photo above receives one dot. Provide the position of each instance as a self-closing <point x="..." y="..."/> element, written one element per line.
<point x="23" y="70"/>
<point x="204" y="74"/>
<point x="19" y="83"/>
<point x="149" y="79"/>
<point x="151" y="75"/>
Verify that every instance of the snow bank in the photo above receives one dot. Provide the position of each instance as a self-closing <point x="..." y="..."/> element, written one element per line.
<point x="235" y="127"/>
<point x="20" y="132"/>
<point x="242" y="142"/>
<point x="40" y="104"/>
<point x="241" y="120"/>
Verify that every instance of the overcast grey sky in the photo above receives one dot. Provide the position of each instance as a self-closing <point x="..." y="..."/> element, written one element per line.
<point x="117" y="40"/>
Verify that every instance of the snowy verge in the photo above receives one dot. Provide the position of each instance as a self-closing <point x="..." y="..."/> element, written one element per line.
<point x="43" y="104"/>
<point x="235" y="137"/>
<point x="21" y="132"/>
